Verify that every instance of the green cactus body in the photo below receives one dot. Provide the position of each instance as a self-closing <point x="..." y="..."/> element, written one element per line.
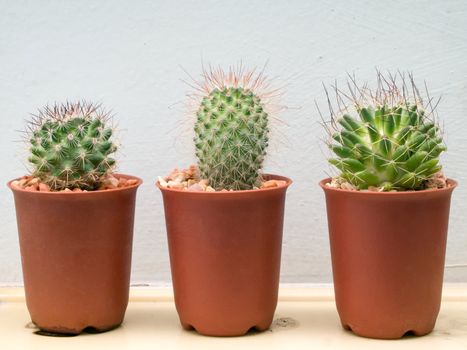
<point x="390" y="147"/>
<point x="231" y="137"/>
<point x="70" y="147"/>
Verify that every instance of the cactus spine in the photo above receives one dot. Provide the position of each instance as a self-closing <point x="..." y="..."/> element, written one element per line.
<point x="231" y="132"/>
<point x="392" y="143"/>
<point x="71" y="146"/>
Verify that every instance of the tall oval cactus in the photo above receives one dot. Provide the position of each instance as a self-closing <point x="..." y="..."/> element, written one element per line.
<point x="71" y="146"/>
<point x="393" y="143"/>
<point x="231" y="134"/>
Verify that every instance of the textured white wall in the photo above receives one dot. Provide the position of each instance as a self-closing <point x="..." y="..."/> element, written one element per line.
<point x="127" y="54"/>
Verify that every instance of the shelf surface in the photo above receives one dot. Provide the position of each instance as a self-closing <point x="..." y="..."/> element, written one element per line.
<point x="305" y="318"/>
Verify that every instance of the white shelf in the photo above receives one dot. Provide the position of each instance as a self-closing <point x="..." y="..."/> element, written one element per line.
<point x="305" y="318"/>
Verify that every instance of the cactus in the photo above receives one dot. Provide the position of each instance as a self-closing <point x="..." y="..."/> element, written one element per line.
<point x="70" y="146"/>
<point x="393" y="143"/>
<point x="231" y="132"/>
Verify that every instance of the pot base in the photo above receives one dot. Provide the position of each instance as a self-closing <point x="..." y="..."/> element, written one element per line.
<point x="231" y="332"/>
<point x="64" y="331"/>
<point x="389" y="334"/>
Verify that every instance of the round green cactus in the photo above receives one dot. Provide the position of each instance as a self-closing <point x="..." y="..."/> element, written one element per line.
<point x="231" y="137"/>
<point x="393" y="144"/>
<point x="70" y="146"/>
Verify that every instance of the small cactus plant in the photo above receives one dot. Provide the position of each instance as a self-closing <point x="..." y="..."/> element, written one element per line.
<point x="71" y="146"/>
<point x="231" y="130"/>
<point x="391" y="142"/>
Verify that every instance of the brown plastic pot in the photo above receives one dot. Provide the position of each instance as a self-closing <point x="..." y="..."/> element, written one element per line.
<point x="225" y="250"/>
<point x="76" y="256"/>
<point x="388" y="252"/>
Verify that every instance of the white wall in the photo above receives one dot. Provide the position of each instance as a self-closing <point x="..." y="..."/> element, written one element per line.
<point x="127" y="54"/>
